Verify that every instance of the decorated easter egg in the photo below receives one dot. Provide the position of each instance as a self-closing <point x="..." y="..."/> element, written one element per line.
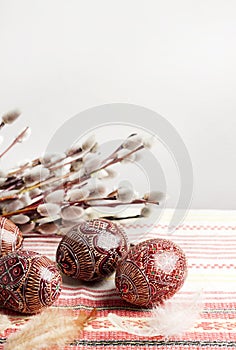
<point x="29" y="282"/>
<point x="90" y="251"/>
<point x="10" y="236"/>
<point x="151" y="272"/>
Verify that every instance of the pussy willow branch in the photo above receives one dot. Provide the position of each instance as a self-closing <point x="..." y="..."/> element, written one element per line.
<point x="84" y="203"/>
<point x="30" y="164"/>
<point x="69" y="184"/>
<point x="77" y="156"/>
<point x="112" y="162"/>
<point x="14" y="142"/>
<point x="73" y="163"/>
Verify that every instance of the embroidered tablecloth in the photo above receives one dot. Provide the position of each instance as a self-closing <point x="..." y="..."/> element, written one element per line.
<point x="209" y="241"/>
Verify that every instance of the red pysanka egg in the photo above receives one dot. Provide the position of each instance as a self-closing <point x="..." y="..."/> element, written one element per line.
<point x="151" y="272"/>
<point x="10" y="236"/>
<point x="29" y="282"/>
<point x="90" y="251"/>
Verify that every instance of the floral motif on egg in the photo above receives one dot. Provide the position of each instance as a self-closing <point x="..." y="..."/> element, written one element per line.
<point x="151" y="272"/>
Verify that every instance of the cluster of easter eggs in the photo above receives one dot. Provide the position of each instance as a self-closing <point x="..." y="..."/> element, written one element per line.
<point x="145" y="275"/>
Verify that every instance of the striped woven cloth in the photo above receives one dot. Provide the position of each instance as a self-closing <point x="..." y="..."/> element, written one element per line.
<point x="209" y="241"/>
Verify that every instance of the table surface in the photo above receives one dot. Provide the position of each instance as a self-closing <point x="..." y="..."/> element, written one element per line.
<point x="209" y="240"/>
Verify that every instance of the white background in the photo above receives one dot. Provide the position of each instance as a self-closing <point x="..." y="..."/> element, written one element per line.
<point x="177" y="58"/>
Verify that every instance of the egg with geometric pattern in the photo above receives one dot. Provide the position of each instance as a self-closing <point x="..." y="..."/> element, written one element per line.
<point x="29" y="282"/>
<point x="151" y="272"/>
<point x="91" y="250"/>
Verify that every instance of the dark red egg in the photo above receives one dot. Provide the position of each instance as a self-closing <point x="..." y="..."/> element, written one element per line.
<point x="29" y="282"/>
<point x="90" y="251"/>
<point x="151" y="272"/>
<point x="10" y="237"/>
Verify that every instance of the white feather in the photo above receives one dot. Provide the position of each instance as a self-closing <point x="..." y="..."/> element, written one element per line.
<point x="173" y="318"/>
